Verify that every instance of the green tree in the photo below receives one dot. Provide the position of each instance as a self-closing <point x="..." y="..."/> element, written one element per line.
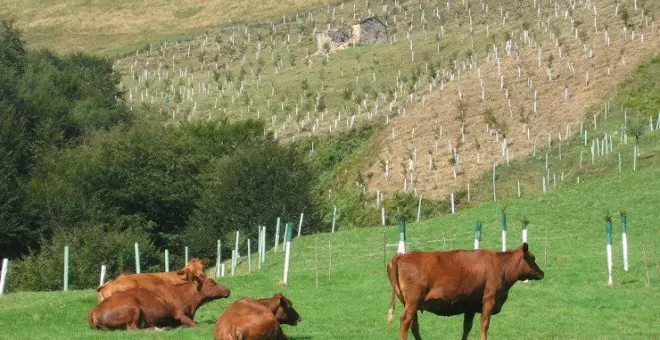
<point x="252" y="187"/>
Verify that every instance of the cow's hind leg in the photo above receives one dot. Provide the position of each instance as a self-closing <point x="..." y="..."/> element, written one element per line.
<point x="467" y="324"/>
<point x="415" y="327"/>
<point x="409" y="315"/>
<point x="137" y="319"/>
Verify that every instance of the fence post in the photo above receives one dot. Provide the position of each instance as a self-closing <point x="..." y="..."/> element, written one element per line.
<point x="137" y="258"/>
<point x="334" y="218"/>
<point x="185" y="255"/>
<point x="477" y="234"/>
<point x="402" y="236"/>
<point x="525" y="222"/>
<point x="102" y="278"/>
<point x="277" y="234"/>
<point x="233" y="262"/>
<point x="66" y="268"/>
<point x="250" y="257"/>
<point x="382" y="216"/>
<point x="287" y="252"/>
<point x="624" y="239"/>
<point x="608" y="233"/>
<point x="236" y="245"/>
<point x="218" y="256"/>
<point x="453" y="210"/>
<point x="167" y="260"/>
<point x="494" y="191"/>
<point x="263" y="245"/>
<point x="503" y="230"/>
<point x="3" y="275"/>
<point x="300" y="224"/>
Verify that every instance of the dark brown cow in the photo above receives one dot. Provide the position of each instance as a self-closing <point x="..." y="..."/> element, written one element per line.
<point x="161" y="306"/>
<point x="194" y="268"/>
<point x="250" y="319"/>
<point x="456" y="282"/>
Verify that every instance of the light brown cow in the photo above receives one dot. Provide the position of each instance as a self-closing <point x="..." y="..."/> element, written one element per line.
<point x="162" y="306"/>
<point x="456" y="282"/>
<point x="250" y="319"/>
<point x="194" y="268"/>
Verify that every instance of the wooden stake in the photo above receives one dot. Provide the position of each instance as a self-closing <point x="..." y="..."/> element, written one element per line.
<point x="545" y="251"/>
<point x="646" y="266"/>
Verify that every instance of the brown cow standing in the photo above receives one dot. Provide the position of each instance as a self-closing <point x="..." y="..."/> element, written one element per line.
<point x="250" y="319"/>
<point x="162" y="306"/>
<point x="194" y="268"/>
<point x="456" y="282"/>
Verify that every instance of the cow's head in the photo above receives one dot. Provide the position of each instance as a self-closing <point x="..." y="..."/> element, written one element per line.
<point x="528" y="269"/>
<point x="212" y="290"/>
<point x="283" y="310"/>
<point x="194" y="270"/>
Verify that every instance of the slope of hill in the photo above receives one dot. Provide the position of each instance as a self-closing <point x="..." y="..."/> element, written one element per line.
<point x="505" y="107"/>
<point x="116" y="27"/>
<point x="455" y="82"/>
<point x="339" y="286"/>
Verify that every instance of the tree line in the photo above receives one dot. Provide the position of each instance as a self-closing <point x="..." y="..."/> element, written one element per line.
<point x="81" y="167"/>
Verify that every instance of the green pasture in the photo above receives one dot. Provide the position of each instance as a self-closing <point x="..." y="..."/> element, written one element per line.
<point x="350" y="299"/>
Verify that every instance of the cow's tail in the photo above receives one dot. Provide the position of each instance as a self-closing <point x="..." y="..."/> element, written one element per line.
<point x="393" y="276"/>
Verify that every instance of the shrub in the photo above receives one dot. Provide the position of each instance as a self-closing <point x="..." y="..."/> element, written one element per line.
<point x="89" y="248"/>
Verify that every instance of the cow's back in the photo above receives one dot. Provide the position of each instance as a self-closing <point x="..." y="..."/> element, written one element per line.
<point x="246" y="319"/>
<point x="148" y="281"/>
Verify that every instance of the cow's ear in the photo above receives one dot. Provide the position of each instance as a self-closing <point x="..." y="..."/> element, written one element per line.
<point x="525" y="247"/>
<point x="283" y="302"/>
<point x="183" y="274"/>
<point x="200" y="282"/>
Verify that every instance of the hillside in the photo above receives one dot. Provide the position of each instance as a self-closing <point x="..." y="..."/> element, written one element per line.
<point x="504" y="107"/>
<point x="453" y="81"/>
<point x="566" y="234"/>
<point x="116" y="27"/>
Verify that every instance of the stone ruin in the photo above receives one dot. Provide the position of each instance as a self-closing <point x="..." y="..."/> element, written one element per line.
<point x="368" y="31"/>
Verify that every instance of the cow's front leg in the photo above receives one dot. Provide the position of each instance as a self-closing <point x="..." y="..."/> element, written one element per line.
<point x="185" y="320"/>
<point x="468" y="318"/>
<point x="486" y="312"/>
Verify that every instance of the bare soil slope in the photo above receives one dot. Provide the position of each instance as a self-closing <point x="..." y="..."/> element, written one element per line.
<point x="416" y="147"/>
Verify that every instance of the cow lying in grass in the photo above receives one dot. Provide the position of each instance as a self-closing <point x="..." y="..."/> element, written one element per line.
<point x="194" y="268"/>
<point x="456" y="282"/>
<point x="250" y="319"/>
<point x="160" y="306"/>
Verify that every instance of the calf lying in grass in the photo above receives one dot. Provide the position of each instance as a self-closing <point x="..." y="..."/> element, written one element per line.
<point x="250" y="319"/>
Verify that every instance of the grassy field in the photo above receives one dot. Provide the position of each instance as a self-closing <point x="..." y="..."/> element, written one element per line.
<point x="566" y="234"/>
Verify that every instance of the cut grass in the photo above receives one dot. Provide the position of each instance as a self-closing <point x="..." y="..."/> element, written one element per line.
<point x="573" y="301"/>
